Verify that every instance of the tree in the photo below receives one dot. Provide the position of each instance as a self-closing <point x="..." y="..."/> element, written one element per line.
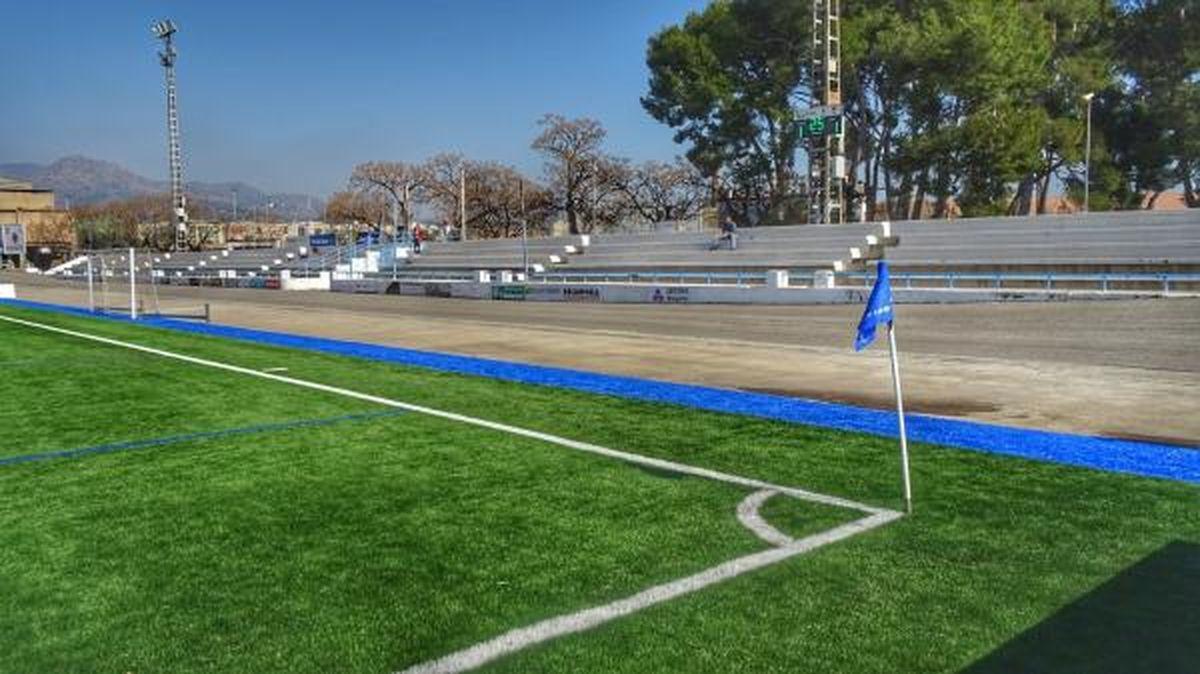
<point x="728" y="80"/>
<point x="351" y="206"/>
<point x="1081" y="62"/>
<point x="499" y="199"/>
<point x="442" y="176"/>
<point x="969" y="127"/>
<point x="580" y="173"/>
<point x="141" y="222"/>
<point x="400" y="182"/>
<point x="660" y="192"/>
<point x="1157" y="120"/>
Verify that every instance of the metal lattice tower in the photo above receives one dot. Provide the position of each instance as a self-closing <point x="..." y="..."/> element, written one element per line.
<point x="827" y="153"/>
<point x="164" y="30"/>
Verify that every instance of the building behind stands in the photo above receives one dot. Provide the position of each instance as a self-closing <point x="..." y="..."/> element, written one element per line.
<point x="48" y="230"/>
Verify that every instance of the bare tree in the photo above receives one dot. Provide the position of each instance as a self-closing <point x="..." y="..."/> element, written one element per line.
<point x="604" y="203"/>
<point x="499" y="198"/>
<point x="141" y="221"/>
<point x="400" y="182"/>
<point x="659" y="192"/>
<point x="349" y="206"/>
<point x="575" y="167"/>
<point x="442" y="176"/>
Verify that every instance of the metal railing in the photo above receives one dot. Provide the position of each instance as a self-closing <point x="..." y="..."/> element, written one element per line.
<point x="1045" y="280"/>
<point x="1166" y="281"/>
<point x="740" y="278"/>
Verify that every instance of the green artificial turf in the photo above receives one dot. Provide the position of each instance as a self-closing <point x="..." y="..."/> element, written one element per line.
<point x="371" y="545"/>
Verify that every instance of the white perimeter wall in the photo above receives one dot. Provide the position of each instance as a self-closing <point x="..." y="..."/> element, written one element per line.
<point x="701" y="294"/>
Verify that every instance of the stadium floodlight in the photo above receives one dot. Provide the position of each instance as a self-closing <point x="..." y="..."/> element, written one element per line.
<point x="163" y="29"/>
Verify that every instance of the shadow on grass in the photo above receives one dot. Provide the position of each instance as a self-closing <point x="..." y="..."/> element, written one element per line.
<point x="1144" y="619"/>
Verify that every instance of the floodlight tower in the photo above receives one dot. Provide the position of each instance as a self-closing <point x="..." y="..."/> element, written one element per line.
<point x="823" y="124"/>
<point x="163" y="30"/>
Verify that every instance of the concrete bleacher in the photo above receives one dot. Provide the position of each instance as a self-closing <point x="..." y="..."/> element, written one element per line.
<point x="1156" y="241"/>
<point x="211" y="261"/>
<point x="1143" y="240"/>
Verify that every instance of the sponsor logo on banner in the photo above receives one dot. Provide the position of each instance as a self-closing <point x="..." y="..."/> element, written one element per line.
<point x="587" y="294"/>
<point x="671" y="295"/>
<point x="513" y="293"/>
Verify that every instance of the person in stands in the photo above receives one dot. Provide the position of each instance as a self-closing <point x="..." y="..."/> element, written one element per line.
<point x="731" y="234"/>
<point x="728" y="233"/>
<point x="418" y="238"/>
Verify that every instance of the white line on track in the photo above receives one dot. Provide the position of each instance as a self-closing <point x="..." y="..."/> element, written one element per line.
<point x="520" y="638"/>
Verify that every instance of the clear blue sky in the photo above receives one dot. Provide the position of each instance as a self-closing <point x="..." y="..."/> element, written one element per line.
<point x="290" y="95"/>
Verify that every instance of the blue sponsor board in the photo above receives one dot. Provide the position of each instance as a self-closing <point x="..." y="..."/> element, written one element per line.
<point x="322" y="240"/>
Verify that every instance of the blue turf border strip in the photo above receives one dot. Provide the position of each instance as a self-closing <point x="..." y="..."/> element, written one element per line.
<point x="127" y="445"/>
<point x="1121" y="456"/>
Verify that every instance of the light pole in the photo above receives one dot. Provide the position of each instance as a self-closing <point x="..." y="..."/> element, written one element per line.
<point x="396" y="230"/>
<point x="164" y="30"/>
<point x="524" y="229"/>
<point x="462" y="203"/>
<point x="1087" y="155"/>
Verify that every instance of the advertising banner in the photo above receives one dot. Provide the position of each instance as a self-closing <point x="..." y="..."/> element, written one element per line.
<point x="14" y="239"/>
<point x="510" y="292"/>
<point x="322" y="240"/>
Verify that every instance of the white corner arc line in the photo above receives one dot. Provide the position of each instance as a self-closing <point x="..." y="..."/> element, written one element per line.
<point x="520" y="638"/>
<point x="748" y="515"/>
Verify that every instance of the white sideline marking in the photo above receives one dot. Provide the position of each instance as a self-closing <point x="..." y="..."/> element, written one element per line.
<point x="747" y="514"/>
<point x="462" y="418"/>
<point x="519" y="638"/>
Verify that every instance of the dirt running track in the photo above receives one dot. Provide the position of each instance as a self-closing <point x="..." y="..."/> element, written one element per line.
<point x="1127" y="369"/>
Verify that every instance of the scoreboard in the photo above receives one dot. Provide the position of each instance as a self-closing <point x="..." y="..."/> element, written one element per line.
<point x="821" y="126"/>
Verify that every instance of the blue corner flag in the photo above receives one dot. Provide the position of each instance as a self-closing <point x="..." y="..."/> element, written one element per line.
<point x="879" y="309"/>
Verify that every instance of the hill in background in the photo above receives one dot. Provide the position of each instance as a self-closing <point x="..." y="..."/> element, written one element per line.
<point x="80" y="180"/>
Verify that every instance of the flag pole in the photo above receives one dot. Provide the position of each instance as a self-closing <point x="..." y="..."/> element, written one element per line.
<point x="900" y="417"/>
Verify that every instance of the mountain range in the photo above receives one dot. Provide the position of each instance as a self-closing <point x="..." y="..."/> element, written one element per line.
<point x="83" y="180"/>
